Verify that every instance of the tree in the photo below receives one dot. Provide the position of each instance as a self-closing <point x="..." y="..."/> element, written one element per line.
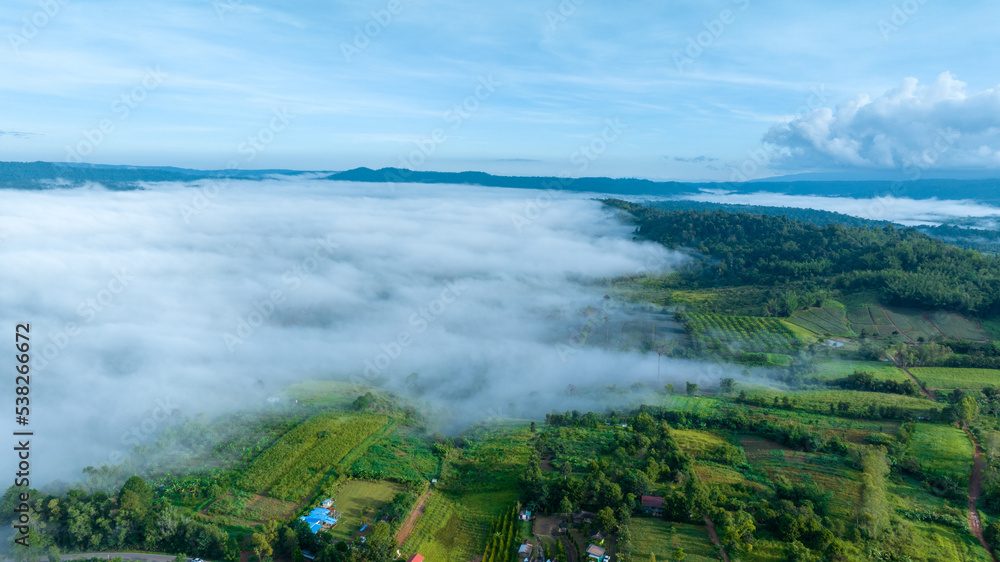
<point x="54" y="554"/>
<point x="606" y="520"/>
<point x="679" y="554"/>
<point x="669" y="389"/>
<point x="652" y="557"/>
<point x="136" y="497"/>
<point x="180" y="557"/>
<point x="967" y="410"/>
<point x="691" y="388"/>
<point x="260" y="546"/>
<point x="727" y="385"/>
<point x="566" y="506"/>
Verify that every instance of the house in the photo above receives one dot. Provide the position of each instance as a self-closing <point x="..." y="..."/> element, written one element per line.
<point x="525" y="515"/>
<point x="308" y="555"/>
<point x="595" y="552"/>
<point x="415" y="558"/>
<point x="584" y="517"/>
<point x="652" y="505"/>
<point x="314" y="524"/>
<point x="597" y="537"/>
<point x="524" y="551"/>
<point x="327" y="503"/>
<point x="323" y="515"/>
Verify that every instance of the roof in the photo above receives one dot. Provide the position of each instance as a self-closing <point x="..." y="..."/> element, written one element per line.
<point x="526" y="547"/>
<point x="652" y="501"/>
<point x="314" y="523"/>
<point x="594" y="550"/>
<point x="415" y="558"/>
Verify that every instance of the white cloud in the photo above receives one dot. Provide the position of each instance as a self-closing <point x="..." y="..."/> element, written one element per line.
<point x="386" y="255"/>
<point x="912" y="127"/>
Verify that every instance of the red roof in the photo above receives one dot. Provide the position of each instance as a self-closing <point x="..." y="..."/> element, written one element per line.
<point x="415" y="558"/>
<point x="652" y="501"/>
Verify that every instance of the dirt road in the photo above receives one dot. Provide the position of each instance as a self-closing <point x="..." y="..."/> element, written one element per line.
<point x="411" y="520"/>
<point x="714" y="537"/>
<point x="976" y="490"/>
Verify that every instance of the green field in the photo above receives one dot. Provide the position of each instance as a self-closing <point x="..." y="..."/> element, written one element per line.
<point x="662" y="538"/>
<point x="819" y="400"/>
<point x="830" y="370"/>
<point x="948" y="377"/>
<point x="354" y="496"/>
<point x="741" y="333"/>
<point x="943" y="450"/>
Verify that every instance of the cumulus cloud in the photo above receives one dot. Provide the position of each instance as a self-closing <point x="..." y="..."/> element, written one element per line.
<point x="138" y="315"/>
<point x="912" y="127"/>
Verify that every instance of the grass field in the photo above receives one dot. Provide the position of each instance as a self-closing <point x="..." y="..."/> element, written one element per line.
<point x="353" y="496"/>
<point x="691" y="404"/>
<point x="947" y="377"/>
<point x="662" y="538"/>
<point x="695" y="442"/>
<point x="829" y="370"/>
<point x="819" y="400"/>
<point x="943" y="450"/>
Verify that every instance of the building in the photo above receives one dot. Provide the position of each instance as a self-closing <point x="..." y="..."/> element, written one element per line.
<point x="415" y="558"/>
<point x="327" y="503"/>
<point x="652" y="505"/>
<point x="525" y="515"/>
<point x="595" y="552"/>
<point x="525" y="551"/>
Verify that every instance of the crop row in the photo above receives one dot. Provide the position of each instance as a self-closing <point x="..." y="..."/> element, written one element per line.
<point x="282" y="456"/>
<point x="306" y="473"/>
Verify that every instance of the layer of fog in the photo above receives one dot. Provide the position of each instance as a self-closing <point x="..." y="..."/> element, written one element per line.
<point x="909" y="212"/>
<point x="187" y="300"/>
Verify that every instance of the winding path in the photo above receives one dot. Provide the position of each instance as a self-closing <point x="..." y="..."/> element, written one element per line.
<point x="976" y="490"/>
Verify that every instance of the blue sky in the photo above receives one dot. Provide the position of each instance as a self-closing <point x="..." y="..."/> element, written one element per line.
<point x="681" y="90"/>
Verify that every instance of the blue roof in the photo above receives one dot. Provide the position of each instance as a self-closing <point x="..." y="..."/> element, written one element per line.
<point x="314" y="524"/>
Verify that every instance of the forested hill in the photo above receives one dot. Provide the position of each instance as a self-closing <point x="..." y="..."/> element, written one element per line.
<point x="45" y="175"/>
<point x="621" y="186"/>
<point x="906" y="266"/>
<point x="813" y="216"/>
